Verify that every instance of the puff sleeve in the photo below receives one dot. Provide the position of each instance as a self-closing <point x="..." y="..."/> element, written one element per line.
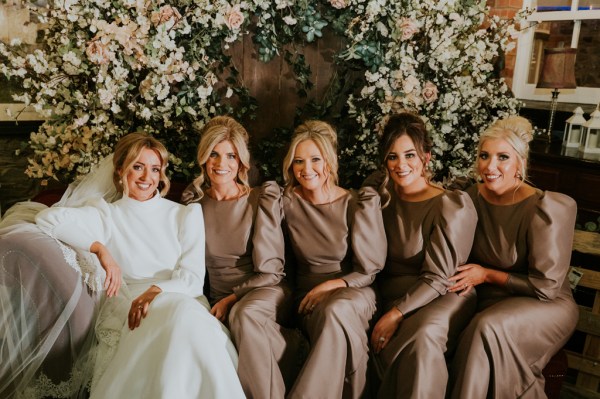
<point x="448" y="247"/>
<point x="268" y="251"/>
<point x="550" y="242"/>
<point x="369" y="243"/>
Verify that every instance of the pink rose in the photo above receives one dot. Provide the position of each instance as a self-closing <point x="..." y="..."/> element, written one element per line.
<point x="339" y="4"/>
<point x="430" y="92"/>
<point x="408" y="28"/>
<point x="97" y="52"/>
<point x="234" y="17"/>
<point x="165" y="14"/>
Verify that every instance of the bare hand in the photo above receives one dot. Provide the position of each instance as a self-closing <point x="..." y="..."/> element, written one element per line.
<point x="112" y="283"/>
<point x="318" y="294"/>
<point x="221" y="309"/>
<point x="467" y="277"/>
<point x="139" y="306"/>
<point x="385" y="328"/>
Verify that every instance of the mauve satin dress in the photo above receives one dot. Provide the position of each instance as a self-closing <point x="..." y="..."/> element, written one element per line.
<point x="245" y="256"/>
<point x="342" y="239"/>
<point x="520" y="326"/>
<point x="427" y="241"/>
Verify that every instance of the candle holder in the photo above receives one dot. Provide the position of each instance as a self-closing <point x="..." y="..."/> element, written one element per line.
<point x="590" y="142"/>
<point x="573" y="126"/>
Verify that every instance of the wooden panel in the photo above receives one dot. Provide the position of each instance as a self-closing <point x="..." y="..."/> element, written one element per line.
<point x="591" y="350"/>
<point x="590" y="279"/>
<point x="581" y="363"/>
<point x="589" y="322"/>
<point x="587" y="188"/>
<point x="586" y="242"/>
<point x="545" y="178"/>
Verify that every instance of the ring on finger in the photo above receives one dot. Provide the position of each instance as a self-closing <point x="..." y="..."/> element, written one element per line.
<point x="381" y="339"/>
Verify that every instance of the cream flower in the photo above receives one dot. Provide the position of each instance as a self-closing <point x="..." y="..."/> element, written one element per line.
<point x="339" y="4"/>
<point x="408" y="28"/>
<point x="98" y="52"/>
<point x="165" y="14"/>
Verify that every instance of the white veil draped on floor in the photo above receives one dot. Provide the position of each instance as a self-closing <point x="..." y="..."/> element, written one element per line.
<point x="49" y="298"/>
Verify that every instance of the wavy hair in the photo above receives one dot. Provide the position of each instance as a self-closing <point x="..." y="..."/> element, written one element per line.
<point x="218" y="130"/>
<point x="395" y="126"/>
<point x="128" y="150"/>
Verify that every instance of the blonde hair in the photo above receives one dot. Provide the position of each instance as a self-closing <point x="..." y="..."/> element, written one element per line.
<point x="325" y="138"/>
<point x="218" y="130"/>
<point x="515" y="130"/>
<point x="128" y="150"/>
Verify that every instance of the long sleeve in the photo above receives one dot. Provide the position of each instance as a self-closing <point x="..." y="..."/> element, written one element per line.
<point x="448" y="246"/>
<point x="369" y="244"/>
<point x="77" y="227"/>
<point x="188" y="275"/>
<point x="268" y="243"/>
<point x="549" y="242"/>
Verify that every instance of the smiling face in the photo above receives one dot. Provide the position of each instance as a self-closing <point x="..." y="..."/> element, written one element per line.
<point x="144" y="175"/>
<point x="498" y="165"/>
<point x="309" y="167"/>
<point x="404" y="164"/>
<point x="223" y="164"/>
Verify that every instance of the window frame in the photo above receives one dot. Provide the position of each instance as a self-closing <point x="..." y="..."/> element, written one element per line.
<point x="525" y="43"/>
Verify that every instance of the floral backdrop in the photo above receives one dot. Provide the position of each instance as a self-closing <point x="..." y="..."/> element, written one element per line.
<point x="110" y="67"/>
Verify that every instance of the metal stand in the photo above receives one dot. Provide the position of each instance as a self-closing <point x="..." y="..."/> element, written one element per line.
<point x="552" y="111"/>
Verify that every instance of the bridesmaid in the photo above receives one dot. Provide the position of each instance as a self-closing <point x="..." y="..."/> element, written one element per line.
<point x="339" y="244"/>
<point x="429" y="232"/>
<point x="244" y="258"/>
<point x="519" y="265"/>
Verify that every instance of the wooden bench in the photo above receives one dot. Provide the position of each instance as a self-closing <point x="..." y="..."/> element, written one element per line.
<point x="585" y="365"/>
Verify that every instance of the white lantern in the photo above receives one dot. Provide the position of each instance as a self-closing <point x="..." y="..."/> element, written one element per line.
<point x="573" y="126"/>
<point x="591" y="132"/>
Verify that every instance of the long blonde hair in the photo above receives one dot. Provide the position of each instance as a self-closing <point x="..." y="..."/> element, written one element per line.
<point x="325" y="138"/>
<point x="127" y="151"/>
<point x="217" y="130"/>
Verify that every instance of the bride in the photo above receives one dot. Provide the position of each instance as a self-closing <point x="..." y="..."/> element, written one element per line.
<point x="156" y="336"/>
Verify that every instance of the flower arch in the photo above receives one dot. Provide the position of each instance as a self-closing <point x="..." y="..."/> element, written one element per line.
<point x="110" y="67"/>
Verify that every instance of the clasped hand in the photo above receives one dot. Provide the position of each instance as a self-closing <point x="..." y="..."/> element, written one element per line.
<point x="467" y="277"/>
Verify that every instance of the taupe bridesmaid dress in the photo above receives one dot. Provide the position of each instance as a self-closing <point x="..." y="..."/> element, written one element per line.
<point x="427" y="240"/>
<point x="245" y="256"/>
<point x="342" y="239"/>
<point x="519" y="327"/>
